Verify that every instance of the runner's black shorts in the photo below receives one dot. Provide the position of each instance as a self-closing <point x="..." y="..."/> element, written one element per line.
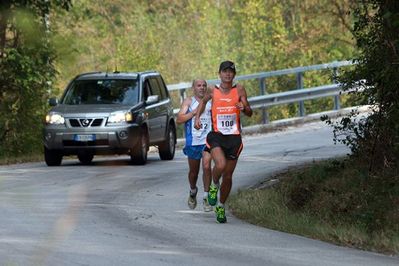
<point x="230" y="144"/>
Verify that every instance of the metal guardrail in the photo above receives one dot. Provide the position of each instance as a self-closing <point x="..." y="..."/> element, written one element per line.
<point x="261" y="75"/>
<point x="299" y="95"/>
<point x="294" y="96"/>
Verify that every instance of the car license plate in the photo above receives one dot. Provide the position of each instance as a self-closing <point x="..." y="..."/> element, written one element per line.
<point x="85" y="137"/>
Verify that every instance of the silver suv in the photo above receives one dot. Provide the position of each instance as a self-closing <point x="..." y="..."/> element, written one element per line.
<point x="111" y="113"/>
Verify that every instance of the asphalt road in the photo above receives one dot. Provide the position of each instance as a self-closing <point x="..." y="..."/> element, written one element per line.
<point x="113" y="213"/>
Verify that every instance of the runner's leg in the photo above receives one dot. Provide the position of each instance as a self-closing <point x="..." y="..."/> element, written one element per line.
<point x="206" y="170"/>
<point x="220" y="163"/>
<point x="206" y="178"/>
<point x="194" y="166"/>
<point x="227" y="180"/>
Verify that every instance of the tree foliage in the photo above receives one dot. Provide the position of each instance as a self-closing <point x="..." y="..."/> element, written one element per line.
<point x="43" y="44"/>
<point x="375" y="138"/>
<point x="26" y="72"/>
<point x="187" y="39"/>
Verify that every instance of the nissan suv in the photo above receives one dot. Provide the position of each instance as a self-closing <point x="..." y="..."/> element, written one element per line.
<point x="111" y="113"/>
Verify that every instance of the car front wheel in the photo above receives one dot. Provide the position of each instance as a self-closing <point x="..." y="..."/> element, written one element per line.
<point x="52" y="157"/>
<point x="138" y="154"/>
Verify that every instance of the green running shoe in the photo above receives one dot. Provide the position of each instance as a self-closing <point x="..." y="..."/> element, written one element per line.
<point x="213" y="195"/>
<point x="220" y="215"/>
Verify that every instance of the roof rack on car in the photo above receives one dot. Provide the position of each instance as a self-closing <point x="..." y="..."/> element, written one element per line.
<point x="116" y="71"/>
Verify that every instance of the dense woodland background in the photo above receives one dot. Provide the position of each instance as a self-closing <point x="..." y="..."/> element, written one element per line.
<point x="44" y="44"/>
<point x="188" y="39"/>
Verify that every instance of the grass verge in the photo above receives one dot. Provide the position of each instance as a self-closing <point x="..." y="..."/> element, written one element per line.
<point x="4" y="160"/>
<point x="334" y="201"/>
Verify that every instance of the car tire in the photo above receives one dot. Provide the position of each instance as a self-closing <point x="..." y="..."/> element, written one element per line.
<point x="138" y="155"/>
<point x="168" y="147"/>
<point x="52" y="157"/>
<point x="85" y="158"/>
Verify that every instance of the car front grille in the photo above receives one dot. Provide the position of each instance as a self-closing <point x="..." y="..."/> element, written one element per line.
<point x="85" y="122"/>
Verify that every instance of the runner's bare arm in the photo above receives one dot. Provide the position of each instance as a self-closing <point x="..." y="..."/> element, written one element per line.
<point x="243" y="104"/>
<point x="182" y="115"/>
<point x="201" y="107"/>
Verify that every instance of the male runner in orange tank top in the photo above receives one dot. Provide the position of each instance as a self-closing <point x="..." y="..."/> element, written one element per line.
<point x="224" y="141"/>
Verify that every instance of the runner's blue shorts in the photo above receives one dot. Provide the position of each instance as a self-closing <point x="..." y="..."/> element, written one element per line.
<point x="194" y="152"/>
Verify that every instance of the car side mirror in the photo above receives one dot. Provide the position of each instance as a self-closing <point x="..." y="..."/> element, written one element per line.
<point x="53" y="101"/>
<point x="152" y="99"/>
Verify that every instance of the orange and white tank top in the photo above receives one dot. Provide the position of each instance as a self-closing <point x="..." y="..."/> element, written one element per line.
<point x="225" y="114"/>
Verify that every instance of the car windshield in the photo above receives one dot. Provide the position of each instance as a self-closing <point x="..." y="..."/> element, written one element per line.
<point x="107" y="91"/>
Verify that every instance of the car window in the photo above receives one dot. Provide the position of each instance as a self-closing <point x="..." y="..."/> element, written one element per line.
<point x="155" y="87"/>
<point x="162" y="85"/>
<point x="107" y="91"/>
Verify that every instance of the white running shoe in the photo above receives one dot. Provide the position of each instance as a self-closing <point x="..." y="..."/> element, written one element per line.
<point x="207" y="207"/>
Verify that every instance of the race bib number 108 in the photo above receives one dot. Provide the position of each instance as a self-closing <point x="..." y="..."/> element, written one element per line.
<point x="227" y="123"/>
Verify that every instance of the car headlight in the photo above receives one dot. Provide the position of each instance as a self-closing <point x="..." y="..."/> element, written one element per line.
<point x="55" y="119"/>
<point x="120" y="117"/>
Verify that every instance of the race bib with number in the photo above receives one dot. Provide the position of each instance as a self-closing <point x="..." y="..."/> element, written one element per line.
<point x="205" y="124"/>
<point x="198" y="136"/>
<point x="227" y="123"/>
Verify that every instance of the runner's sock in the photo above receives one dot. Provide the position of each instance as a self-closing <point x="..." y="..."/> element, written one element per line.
<point x="206" y="195"/>
<point x="193" y="192"/>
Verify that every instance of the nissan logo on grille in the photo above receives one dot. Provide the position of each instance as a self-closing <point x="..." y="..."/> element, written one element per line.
<point x="85" y="122"/>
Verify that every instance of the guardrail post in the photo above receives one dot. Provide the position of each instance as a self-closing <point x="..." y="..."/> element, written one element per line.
<point x="265" y="114"/>
<point x="182" y="95"/>
<point x="337" y="104"/>
<point x="299" y="85"/>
